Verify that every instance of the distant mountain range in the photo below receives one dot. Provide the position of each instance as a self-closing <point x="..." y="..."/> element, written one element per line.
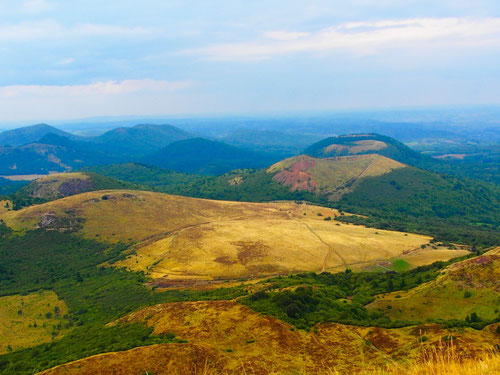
<point x="43" y="149"/>
<point x="203" y="156"/>
<point x="141" y="139"/>
<point x="30" y="134"/>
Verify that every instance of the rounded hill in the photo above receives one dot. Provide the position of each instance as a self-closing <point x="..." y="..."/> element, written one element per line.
<point x="358" y="144"/>
<point x="60" y="185"/>
<point x="175" y="237"/>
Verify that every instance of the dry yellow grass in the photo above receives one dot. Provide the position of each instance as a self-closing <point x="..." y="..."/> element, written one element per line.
<point x="57" y="177"/>
<point x="5" y="205"/>
<point x="181" y="238"/>
<point x="18" y="330"/>
<point x="445" y="364"/>
<point x="227" y="338"/>
<point x="421" y="257"/>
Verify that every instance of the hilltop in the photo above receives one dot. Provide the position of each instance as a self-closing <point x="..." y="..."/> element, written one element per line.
<point x="43" y="149"/>
<point x="203" y="268"/>
<point x="332" y="177"/>
<point x="29" y="134"/>
<point x="358" y="144"/>
<point x="180" y="238"/>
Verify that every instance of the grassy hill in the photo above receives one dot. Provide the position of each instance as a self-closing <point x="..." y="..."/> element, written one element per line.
<point x="111" y="310"/>
<point x="228" y="338"/>
<point x="207" y="157"/>
<point x="392" y="195"/>
<point x="181" y="238"/>
<point x="332" y="177"/>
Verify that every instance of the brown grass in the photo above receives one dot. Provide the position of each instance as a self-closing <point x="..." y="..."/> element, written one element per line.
<point x="443" y="362"/>
<point x="227" y="338"/>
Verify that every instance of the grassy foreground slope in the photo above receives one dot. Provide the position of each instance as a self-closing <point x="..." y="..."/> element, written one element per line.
<point x="465" y="288"/>
<point x="227" y="338"/>
<point x="179" y="237"/>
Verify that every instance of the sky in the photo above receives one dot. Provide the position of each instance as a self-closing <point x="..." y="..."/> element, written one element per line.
<point x="75" y="59"/>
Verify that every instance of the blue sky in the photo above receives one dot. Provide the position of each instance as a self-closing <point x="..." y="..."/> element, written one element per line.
<point x="71" y="59"/>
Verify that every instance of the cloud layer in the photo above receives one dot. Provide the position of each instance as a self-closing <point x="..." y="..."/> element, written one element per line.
<point x="363" y="38"/>
<point x="96" y="88"/>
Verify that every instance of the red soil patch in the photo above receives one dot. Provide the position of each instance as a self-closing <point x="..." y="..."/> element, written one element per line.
<point x="297" y="178"/>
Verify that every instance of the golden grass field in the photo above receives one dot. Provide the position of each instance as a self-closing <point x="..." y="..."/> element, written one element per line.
<point x="181" y="238"/>
<point x="331" y="176"/>
<point x="228" y="338"/>
<point x="464" y="287"/>
<point x="18" y="330"/>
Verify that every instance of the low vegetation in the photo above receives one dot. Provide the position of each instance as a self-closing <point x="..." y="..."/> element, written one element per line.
<point x="68" y="266"/>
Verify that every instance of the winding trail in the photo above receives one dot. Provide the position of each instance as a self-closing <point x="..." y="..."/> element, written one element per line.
<point x="331" y="250"/>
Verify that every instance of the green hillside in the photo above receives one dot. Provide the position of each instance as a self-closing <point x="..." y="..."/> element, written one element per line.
<point x="147" y="175"/>
<point x="140" y="140"/>
<point x="203" y="156"/>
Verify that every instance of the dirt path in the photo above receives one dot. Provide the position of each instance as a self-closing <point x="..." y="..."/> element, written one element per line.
<point x="331" y="250"/>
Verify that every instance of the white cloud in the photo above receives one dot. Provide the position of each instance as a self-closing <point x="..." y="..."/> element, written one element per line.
<point x="35" y="6"/>
<point x="96" y="88"/>
<point x="284" y="35"/>
<point x="27" y="31"/>
<point x="68" y="61"/>
<point x="364" y="38"/>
